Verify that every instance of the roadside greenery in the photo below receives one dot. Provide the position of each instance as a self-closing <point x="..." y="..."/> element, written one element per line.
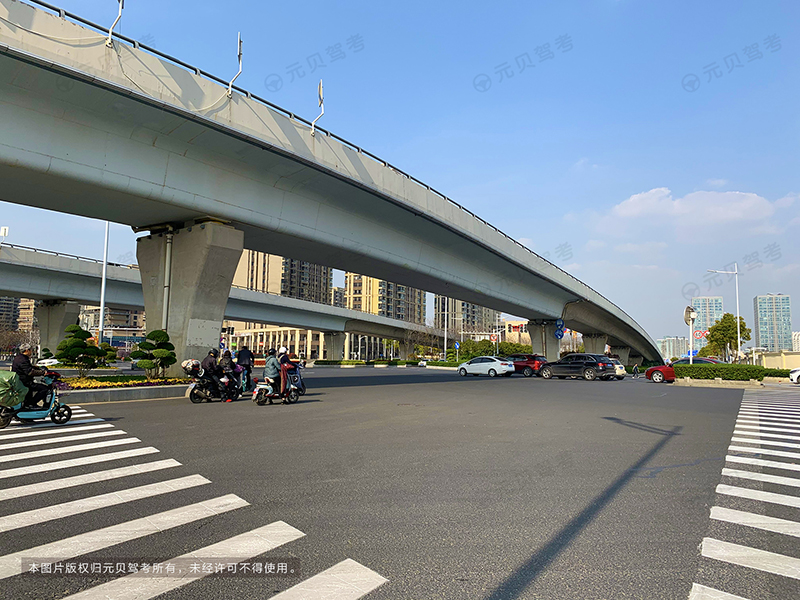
<point x="727" y="372"/>
<point x="722" y="337"/>
<point x="155" y="355"/>
<point x="75" y="351"/>
<point x="96" y="383"/>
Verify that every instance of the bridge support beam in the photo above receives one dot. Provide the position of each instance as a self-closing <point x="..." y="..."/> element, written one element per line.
<point x="406" y="349"/>
<point x="595" y="343"/>
<point x="54" y="316"/>
<point x="543" y="339"/>
<point x="635" y="359"/>
<point x="623" y="352"/>
<point x="204" y="261"/>
<point x="334" y="345"/>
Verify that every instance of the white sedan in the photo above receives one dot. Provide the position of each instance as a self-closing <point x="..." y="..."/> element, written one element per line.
<point x="794" y="376"/>
<point x="487" y="365"/>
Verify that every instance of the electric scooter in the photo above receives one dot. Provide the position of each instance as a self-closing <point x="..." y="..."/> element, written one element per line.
<point x="57" y="412"/>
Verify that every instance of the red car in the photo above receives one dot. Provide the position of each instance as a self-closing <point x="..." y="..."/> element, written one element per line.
<point x="527" y="364"/>
<point x="667" y="373"/>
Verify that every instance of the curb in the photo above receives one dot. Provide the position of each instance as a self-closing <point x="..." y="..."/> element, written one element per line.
<point x="122" y="394"/>
<point x="718" y="383"/>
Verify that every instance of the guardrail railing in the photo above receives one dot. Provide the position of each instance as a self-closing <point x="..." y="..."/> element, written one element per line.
<point x="62" y="254"/>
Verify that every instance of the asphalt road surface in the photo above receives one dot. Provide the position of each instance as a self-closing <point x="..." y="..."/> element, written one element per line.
<point x="404" y="484"/>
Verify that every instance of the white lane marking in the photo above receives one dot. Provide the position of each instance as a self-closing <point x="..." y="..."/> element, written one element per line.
<point x="240" y="547"/>
<point x="776" y="416"/>
<point x="66" y="449"/>
<point x="701" y="592"/>
<point x="772" y="410"/>
<point x="749" y="494"/>
<point x="347" y="580"/>
<point x="772" y="429"/>
<point x="765" y="442"/>
<point x="772" y="464"/>
<point x="51" y="424"/>
<point x="762" y="419"/>
<point x="767" y="435"/>
<point x="766" y="478"/>
<point x="75" y="462"/>
<point x="764" y="522"/>
<point x="67" y="482"/>
<point x="92" y="541"/>
<point x="84" y="505"/>
<point x="769" y="562"/>
<point x="763" y="451"/>
<point x="69" y="438"/>
<point x="20" y="425"/>
<point x="28" y="434"/>
<point x="770" y="422"/>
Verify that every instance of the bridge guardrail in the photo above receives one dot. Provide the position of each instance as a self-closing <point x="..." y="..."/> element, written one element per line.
<point x="64" y="14"/>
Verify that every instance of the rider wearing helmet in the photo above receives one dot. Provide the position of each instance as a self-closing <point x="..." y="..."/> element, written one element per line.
<point x="211" y="368"/>
<point x="272" y="368"/>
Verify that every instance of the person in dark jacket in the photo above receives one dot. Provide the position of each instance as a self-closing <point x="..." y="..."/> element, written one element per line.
<point x="211" y="368"/>
<point x="25" y="370"/>
<point x="229" y="369"/>
<point x="244" y="358"/>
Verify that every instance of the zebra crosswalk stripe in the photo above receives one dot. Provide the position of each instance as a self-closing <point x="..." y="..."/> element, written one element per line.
<point x="347" y="580"/>
<point x="70" y="438"/>
<point x="770" y="562"/>
<point x="41" y="432"/>
<point x="99" y="539"/>
<point x="701" y="592"/>
<point x="84" y="505"/>
<point x="66" y="449"/>
<point x="238" y="548"/>
<point x="67" y="482"/>
<point x="75" y="462"/>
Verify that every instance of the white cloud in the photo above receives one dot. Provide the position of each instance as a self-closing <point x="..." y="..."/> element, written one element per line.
<point x="716" y="182"/>
<point x="786" y="201"/>
<point x="584" y="164"/>
<point x="697" y="206"/>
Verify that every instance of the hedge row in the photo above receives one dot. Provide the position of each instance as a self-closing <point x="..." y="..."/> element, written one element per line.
<point x="727" y="372"/>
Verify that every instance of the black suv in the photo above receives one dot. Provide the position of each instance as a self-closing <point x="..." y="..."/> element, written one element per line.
<point x="588" y="366"/>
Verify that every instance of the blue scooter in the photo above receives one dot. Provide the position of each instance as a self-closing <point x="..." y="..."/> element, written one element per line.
<point x="58" y="413"/>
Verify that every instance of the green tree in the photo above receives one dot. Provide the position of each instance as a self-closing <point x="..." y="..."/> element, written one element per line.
<point x="75" y="351"/>
<point x="722" y="335"/>
<point x="110" y="352"/>
<point x="156" y="354"/>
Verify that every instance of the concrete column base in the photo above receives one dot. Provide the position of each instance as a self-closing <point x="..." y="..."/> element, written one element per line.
<point x="204" y="261"/>
<point x="543" y="339"/>
<point x="334" y="346"/>
<point x="406" y="350"/>
<point x="635" y="359"/>
<point x="623" y="352"/>
<point x="595" y="343"/>
<point x="54" y="316"/>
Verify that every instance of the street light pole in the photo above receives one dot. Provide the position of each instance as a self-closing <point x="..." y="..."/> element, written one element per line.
<point x="735" y="273"/>
<point x="103" y="290"/>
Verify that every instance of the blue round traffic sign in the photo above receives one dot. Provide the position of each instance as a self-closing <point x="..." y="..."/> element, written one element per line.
<point x="457" y="345"/>
<point x="559" y="324"/>
<point x="559" y="334"/>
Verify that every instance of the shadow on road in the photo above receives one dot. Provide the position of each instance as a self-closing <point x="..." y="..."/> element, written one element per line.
<point x="641" y="426"/>
<point x="515" y="585"/>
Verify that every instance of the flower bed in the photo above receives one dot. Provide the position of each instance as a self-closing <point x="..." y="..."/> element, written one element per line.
<point x="97" y="383"/>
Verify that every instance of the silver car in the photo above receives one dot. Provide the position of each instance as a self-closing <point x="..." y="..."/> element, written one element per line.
<point x="794" y="376"/>
<point x="487" y="365"/>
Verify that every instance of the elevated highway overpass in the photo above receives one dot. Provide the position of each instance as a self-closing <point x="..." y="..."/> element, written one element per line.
<point x="60" y="279"/>
<point x="130" y="135"/>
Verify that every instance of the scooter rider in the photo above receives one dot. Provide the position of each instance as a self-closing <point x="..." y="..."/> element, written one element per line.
<point x="286" y="363"/>
<point x="211" y="368"/>
<point x="244" y="358"/>
<point x="26" y="372"/>
<point x="229" y="369"/>
<point x="272" y="368"/>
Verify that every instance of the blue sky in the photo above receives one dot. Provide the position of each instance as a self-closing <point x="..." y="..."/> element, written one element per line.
<point x="598" y="156"/>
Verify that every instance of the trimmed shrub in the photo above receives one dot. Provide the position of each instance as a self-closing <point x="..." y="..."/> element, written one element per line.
<point x="783" y="373"/>
<point x="721" y="371"/>
<point x="74" y="351"/>
<point x="155" y="354"/>
<point x="340" y="362"/>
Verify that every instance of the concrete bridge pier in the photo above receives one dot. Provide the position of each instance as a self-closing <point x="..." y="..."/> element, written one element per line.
<point x="623" y="352"/>
<point x="54" y="316"/>
<point x="543" y="339"/>
<point x="203" y="262"/>
<point x="595" y="343"/>
<point x="334" y="345"/>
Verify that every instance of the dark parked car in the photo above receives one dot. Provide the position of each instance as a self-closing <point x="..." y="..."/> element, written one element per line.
<point x="527" y="364"/>
<point x="588" y="366"/>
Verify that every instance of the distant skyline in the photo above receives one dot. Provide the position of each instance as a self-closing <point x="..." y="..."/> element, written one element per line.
<point x="633" y="144"/>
